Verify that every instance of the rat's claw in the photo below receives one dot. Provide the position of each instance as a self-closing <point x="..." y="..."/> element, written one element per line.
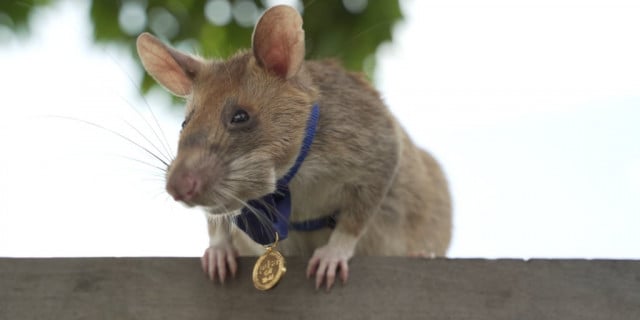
<point x="331" y="274"/>
<point x="222" y="267"/>
<point x="312" y="266"/>
<point x="233" y="264"/>
<point x="344" y="271"/>
<point x="322" y="267"/>
<point x="204" y="261"/>
<point x="325" y="264"/>
<point x="217" y="259"/>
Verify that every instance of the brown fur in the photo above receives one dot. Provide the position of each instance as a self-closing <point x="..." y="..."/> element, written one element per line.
<point x="388" y="191"/>
<point x="392" y="197"/>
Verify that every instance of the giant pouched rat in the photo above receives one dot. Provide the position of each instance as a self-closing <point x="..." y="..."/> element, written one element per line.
<point x="252" y="118"/>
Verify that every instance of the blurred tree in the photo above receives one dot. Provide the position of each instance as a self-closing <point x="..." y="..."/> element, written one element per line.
<point x="14" y="15"/>
<point x="350" y="30"/>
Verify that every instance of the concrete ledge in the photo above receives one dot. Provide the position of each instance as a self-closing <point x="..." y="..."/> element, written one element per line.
<point x="379" y="288"/>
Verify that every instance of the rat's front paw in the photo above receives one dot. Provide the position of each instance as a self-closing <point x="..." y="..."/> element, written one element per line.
<point x="326" y="262"/>
<point x="218" y="260"/>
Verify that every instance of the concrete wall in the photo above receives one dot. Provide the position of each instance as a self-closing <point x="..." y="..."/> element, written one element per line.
<point x="379" y="288"/>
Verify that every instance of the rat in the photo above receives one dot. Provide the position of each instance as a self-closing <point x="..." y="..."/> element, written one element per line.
<point x="353" y="176"/>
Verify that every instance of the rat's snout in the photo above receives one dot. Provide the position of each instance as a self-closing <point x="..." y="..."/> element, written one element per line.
<point x="184" y="186"/>
<point x="190" y="177"/>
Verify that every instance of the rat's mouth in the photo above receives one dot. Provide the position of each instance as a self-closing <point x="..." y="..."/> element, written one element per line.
<point x="220" y="190"/>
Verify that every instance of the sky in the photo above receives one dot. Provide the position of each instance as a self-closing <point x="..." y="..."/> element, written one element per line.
<point x="532" y="107"/>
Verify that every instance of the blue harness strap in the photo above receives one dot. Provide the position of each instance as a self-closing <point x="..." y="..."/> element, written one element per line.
<point x="263" y="217"/>
<point x="316" y="224"/>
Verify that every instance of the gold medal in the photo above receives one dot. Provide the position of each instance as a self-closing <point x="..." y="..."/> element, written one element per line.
<point x="269" y="268"/>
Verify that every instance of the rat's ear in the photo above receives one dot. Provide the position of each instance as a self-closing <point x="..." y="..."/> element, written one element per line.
<point x="278" y="41"/>
<point x="171" y="68"/>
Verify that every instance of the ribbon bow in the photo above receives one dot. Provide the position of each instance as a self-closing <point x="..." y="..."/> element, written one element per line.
<point x="270" y="214"/>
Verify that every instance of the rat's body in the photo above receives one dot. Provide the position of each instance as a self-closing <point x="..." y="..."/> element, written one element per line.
<point x="408" y="206"/>
<point x="245" y="124"/>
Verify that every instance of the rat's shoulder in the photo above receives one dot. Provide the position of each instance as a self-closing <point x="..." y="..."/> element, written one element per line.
<point x="329" y="74"/>
<point x="332" y="68"/>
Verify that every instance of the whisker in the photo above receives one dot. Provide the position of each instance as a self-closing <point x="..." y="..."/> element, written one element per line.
<point x="113" y="132"/>
<point x="161" y="137"/>
<point x="163" y="141"/>
<point x="262" y="219"/>
<point x="160" y="194"/>
<point x="255" y="182"/>
<point x="166" y="156"/>
<point x="228" y="218"/>
<point x="164" y="170"/>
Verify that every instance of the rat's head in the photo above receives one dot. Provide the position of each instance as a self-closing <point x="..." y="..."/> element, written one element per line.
<point x="245" y="117"/>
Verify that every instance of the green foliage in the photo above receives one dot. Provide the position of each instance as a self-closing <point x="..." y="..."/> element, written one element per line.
<point x="218" y="28"/>
<point x="15" y="14"/>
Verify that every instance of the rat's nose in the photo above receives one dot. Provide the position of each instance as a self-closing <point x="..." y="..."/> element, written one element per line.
<point x="184" y="186"/>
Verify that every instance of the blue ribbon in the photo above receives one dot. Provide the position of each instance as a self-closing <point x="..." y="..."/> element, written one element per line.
<point x="270" y="214"/>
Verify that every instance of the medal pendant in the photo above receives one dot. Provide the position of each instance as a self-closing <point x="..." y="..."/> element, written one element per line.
<point x="269" y="268"/>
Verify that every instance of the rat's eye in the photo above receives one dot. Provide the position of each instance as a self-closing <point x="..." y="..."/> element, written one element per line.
<point x="240" y="116"/>
<point x="186" y="119"/>
<point x="237" y="118"/>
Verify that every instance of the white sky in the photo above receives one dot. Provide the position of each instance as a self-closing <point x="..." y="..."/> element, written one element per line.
<point x="532" y="106"/>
